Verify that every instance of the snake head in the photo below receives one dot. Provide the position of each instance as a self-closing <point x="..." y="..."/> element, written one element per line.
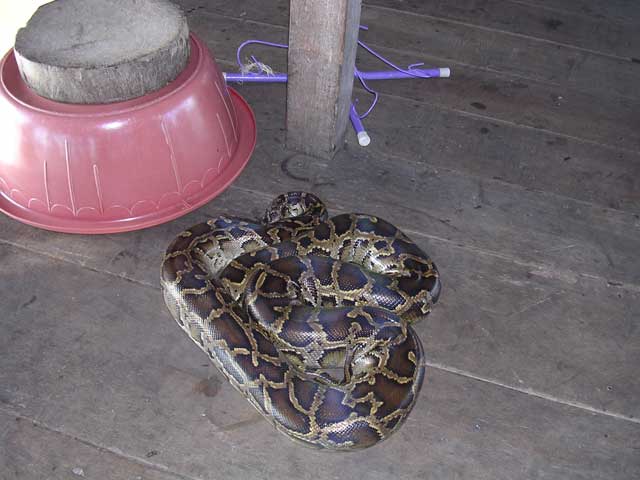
<point x="295" y="204"/>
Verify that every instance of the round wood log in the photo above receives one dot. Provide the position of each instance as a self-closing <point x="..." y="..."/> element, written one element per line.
<point x="102" y="51"/>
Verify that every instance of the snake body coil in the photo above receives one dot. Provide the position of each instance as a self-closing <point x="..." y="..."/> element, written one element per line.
<point x="308" y="317"/>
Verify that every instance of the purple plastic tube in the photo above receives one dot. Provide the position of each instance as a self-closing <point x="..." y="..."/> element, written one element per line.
<point x="363" y="136"/>
<point x="396" y="72"/>
<point x="376" y="75"/>
<point x="412" y="73"/>
<point x="255" y="77"/>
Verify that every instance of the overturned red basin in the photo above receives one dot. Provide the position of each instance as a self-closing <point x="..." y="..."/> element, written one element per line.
<point x="121" y="166"/>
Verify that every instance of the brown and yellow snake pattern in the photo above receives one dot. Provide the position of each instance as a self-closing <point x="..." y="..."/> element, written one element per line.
<point x="308" y="317"/>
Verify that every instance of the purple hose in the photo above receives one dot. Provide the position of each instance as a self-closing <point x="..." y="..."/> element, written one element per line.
<point x="255" y="77"/>
<point x="265" y="76"/>
<point x="415" y="72"/>
<point x="376" y="75"/>
<point x="363" y="136"/>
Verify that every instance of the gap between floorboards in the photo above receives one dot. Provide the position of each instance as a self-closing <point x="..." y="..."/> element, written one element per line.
<point x="503" y="32"/>
<point x="453" y="370"/>
<point x="465" y="113"/>
<point x="409" y="51"/>
<point x="114" y="451"/>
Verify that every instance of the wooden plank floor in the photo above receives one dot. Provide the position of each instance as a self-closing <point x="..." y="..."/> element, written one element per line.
<point x="519" y="175"/>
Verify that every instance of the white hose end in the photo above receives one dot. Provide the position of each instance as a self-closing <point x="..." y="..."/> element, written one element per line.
<point x="445" y="72"/>
<point x="363" y="139"/>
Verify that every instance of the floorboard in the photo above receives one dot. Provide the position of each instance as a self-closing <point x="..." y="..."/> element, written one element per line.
<point x="153" y="396"/>
<point x="28" y="453"/>
<point x="520" y="56"/>
<point x="509" y="255"/>
<point x="623" y="11"/>
<point x="573" y="29"/>
<point x="593" y="118"/>
<point x="519" y="175"/>
<point x="491" y="141"/>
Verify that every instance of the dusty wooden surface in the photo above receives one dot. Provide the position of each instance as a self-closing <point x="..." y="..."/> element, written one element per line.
<point x="102" y="51"/>
<point x="533" y="349"/>
<point x="323" y="40"/>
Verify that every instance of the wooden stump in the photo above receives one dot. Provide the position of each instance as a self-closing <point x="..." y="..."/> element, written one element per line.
<point x="102" y="51"/>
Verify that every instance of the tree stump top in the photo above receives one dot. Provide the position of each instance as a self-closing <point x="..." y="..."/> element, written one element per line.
<point x="101" y="51"/>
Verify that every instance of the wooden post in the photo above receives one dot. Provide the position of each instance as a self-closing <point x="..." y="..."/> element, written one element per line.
<point x="323" y="38"/>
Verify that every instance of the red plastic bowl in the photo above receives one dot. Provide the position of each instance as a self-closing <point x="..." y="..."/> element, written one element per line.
<point x="121" y="166"/>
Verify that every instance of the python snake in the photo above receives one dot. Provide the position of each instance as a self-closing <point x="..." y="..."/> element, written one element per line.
<point x="308" y="317"/>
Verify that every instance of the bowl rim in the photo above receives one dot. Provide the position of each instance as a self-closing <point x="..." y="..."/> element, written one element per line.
<point x="246" y="146"/>
<point x="182" y="81"/>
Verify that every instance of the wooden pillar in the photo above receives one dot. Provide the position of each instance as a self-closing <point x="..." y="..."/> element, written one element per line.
<point x="323" y="38"/>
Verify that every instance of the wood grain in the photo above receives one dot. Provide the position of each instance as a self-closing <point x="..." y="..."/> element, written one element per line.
<point x="30" y="450"/>
<point x="528" y="20"/>
<point x="321" y="55"/>
<point x="581" y="137"/>
<point x="121" y="354"/>
<point x="86" y="51"/>
<point x="522" y="188"/>
<point x="623" y="11"/>
<point x="522" y="57"/>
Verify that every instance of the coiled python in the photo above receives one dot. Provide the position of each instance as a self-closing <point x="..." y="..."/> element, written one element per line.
<point x="308" y="317"/>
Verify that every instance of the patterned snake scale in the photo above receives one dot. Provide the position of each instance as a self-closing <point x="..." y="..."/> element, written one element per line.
<point x="308" y="317"/>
